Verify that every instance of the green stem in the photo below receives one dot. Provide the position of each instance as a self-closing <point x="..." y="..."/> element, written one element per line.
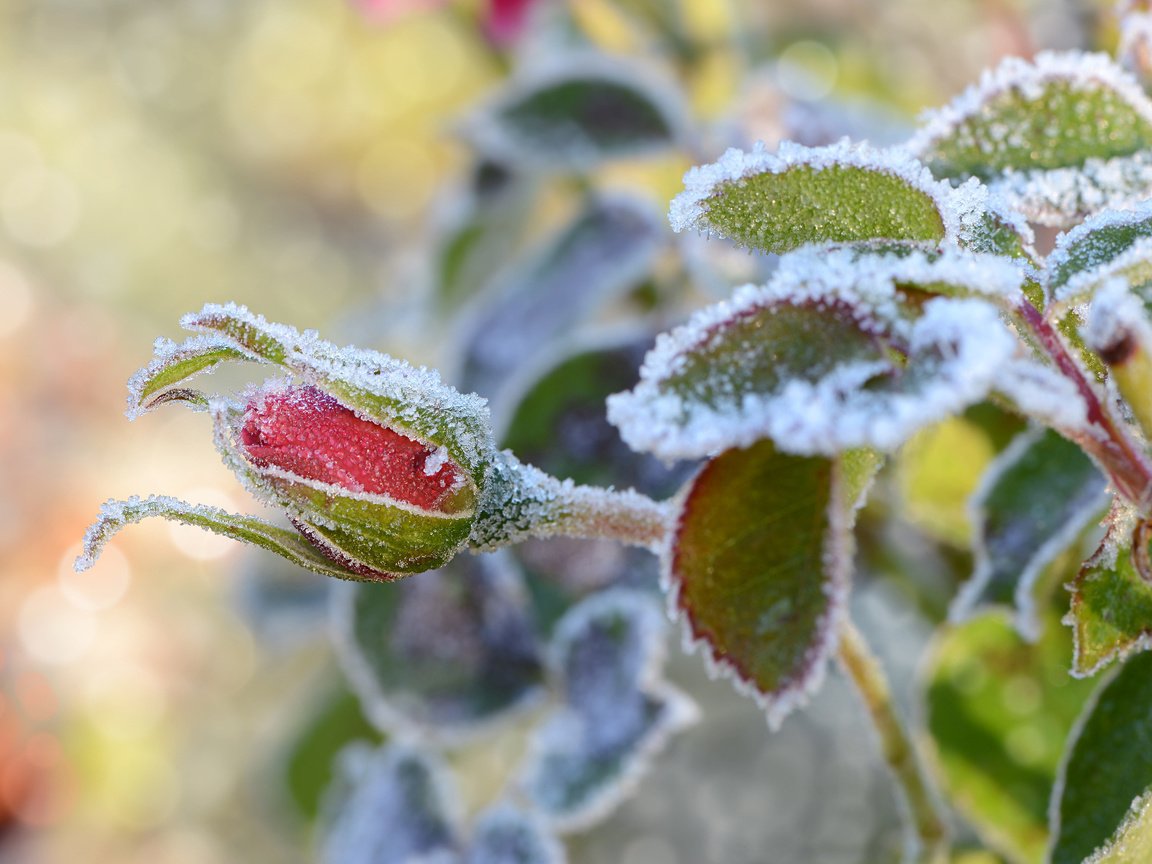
<point x="524" y="502"/>
<point x="899" y="751"/>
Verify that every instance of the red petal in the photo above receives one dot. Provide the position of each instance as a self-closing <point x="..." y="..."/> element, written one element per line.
<point x="306" y="432"/>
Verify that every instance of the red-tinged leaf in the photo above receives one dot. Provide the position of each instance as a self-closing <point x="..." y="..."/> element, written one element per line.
<point x="760" y="566"/>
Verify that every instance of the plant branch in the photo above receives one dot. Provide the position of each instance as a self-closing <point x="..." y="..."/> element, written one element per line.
<point x="899" y="751"/>
<point x="1121" y="457"/>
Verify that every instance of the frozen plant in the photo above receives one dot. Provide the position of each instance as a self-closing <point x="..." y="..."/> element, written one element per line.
<point x="908" y="290"/>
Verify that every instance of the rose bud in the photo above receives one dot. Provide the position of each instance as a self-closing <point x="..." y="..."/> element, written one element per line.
<point x="381" y="468"/>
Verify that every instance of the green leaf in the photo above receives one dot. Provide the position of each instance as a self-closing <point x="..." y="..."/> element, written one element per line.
<point x="1107" y="766"/>
<point x="1056" y="111"/>
<point x="1132" y="842"/>
<point x="447" y="653"/>
<point x="839" y="350"/>
<point x="608" y="247"/>
<point x="114" y="515"/>
<point x="1111" y="611"/>
<point x="760" y="566"/>
<point x="582" y="110"/>
<point x="998" y="710"/>
<point x="1034" y="502"/>
<point x="1058" y="138"/>
<point x="799" y="195"/>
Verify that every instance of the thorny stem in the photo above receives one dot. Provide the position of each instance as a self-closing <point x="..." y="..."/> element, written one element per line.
<point x="899" y="751"/>
<point x="1121" y="457"/>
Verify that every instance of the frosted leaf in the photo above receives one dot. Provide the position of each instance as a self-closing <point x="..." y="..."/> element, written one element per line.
<point x="411" y="400"/>
<point x="1057" y="111"/>
<point x="400" y="811"/>
<point x="1132" y="842"/>
<point x="840" y="194"/>
<point x="115" y="515"/>
<point x="608" y="248"/>
<point x="446" y="654"/>
<point x="617" y="714"/>
<point x="507" y="835"/>
<point x="575" y="111"/>
<point x="1117" y="319"/>
<point x="1033" y="503"/>
<point x="1111" y="609"/>
<point x="989" y="224"/>
<point x="1101" y="246"/>
<point x="759" y="567"/>
<point x="174" y="364"/>
<point x="808" y="359"/>
<point x="1106" y="770"/>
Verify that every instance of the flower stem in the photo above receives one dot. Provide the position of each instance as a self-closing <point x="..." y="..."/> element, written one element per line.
<point x="524" y="502"/>
<point x="899" y="751"/>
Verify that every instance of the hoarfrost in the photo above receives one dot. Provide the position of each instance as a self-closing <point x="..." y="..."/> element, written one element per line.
<point x="1042" y="393"/>
<point x="702" y="182"/>
<point x="1061" y="197"/>
<point x="1116" y="316"/>
<point x="956" y="350"/>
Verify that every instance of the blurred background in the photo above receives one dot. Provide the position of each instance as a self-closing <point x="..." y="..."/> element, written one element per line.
<point x="290" y="155"/>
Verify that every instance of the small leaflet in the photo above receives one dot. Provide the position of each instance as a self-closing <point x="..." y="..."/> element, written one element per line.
<point x="845" y="193"/>
<point x="1111" y="610"/>
<point x="606" y="249"/>
<point x="999" y="710"/>
<point x="115" y="515"/>
<point x="759" y="568"/>
<point x="1033" y="503"/>
<point x="808" y="359"/>
<point x="1107" y="771"/>
<point x="508" y="835"/>
<point x="174" y="364"/>
<point x="589" y="753"/>
<point x="577" y="111"/>
<point x="399" y="810"/>
<point x="445" y="654"/>
<point x="1087" y="254"/>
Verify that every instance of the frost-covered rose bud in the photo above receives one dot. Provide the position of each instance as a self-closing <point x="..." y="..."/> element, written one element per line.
<point x="371" y="498"/>
<point x="382" y="469"/>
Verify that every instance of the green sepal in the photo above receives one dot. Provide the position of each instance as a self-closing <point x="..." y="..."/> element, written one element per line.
<point x="174" y="364"/>
<point x="409" y="400"/>
<point x="285" y="542"/>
